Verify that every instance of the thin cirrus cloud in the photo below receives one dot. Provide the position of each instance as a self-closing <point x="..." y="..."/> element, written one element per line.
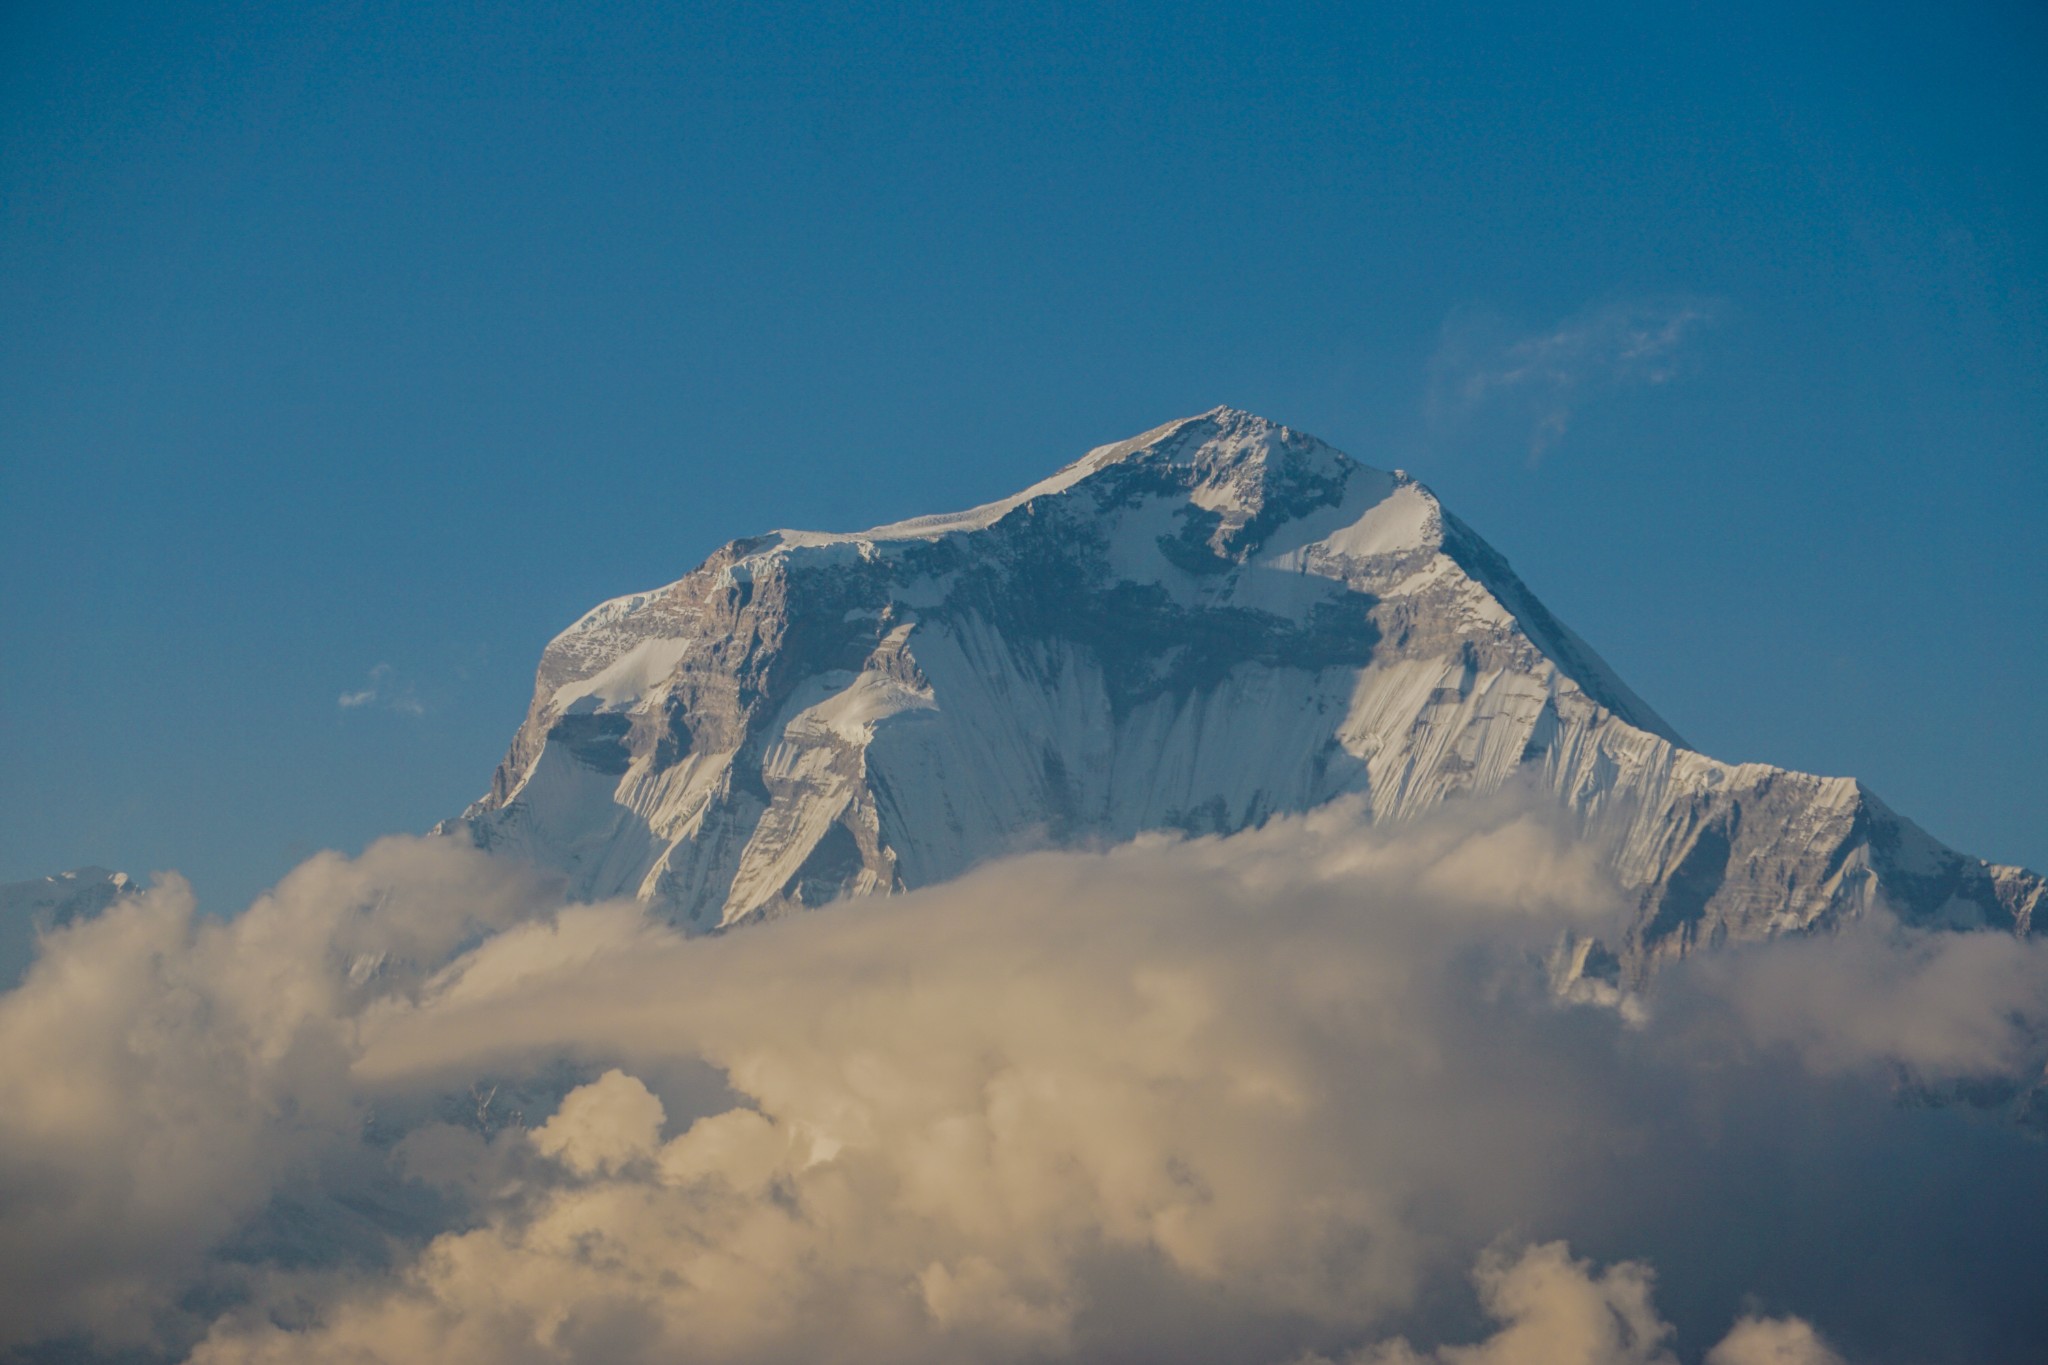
<point x="1299" y="1095"/>
<point x="384" y="689"/>
<point x="1541" y="380"/>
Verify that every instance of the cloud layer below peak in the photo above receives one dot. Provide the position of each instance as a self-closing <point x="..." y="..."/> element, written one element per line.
<point x="1268" y="1098"/>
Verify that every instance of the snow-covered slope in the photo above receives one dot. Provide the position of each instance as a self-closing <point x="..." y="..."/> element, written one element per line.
<point x="1194" y="629"/>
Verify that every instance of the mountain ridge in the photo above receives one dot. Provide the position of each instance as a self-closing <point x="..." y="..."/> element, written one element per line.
<point x="1215" y="621"/>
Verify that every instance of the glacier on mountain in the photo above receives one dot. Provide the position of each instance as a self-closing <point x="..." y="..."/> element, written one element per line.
<point x="1209" y="624"/>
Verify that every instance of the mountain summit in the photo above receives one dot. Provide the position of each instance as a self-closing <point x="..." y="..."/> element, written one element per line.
<point x="1211" y="623"/>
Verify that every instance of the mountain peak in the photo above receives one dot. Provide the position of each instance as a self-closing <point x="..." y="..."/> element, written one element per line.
<point x="1225" y="460"/>
<point x="1216" y="621"/>
<point x="1227" y="448"/>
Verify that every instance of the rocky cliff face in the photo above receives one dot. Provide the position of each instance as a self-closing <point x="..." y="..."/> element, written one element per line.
<point x="1216" y="621"/>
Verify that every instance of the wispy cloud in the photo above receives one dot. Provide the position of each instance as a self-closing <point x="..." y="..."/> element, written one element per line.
<point x="384" y="689"/>
<point x="1546" y="377"/>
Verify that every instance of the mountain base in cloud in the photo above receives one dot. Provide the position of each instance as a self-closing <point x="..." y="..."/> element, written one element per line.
<point x="1255" y="1098"/>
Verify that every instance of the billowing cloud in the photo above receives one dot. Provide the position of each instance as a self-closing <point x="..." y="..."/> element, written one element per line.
<point x="1542" y="379"/>
<point x="1557" y="1310"/>
<point x="162" y="1074"/>
<point x="1773" y="1341"/>
<point x="1257" y="1100"/>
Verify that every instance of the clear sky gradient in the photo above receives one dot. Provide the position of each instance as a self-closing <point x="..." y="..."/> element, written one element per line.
<point x="354" y="349"/>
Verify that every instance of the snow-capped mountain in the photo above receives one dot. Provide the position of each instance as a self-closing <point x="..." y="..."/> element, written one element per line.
<point x="30" y="909"/>
<point x="1194" y="629"/>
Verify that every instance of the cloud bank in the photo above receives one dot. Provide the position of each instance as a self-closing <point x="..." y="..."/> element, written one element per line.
<point x="1298" y="1095"/>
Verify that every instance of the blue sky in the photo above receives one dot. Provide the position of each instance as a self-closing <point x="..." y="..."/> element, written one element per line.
<point x="355" y="349"/>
